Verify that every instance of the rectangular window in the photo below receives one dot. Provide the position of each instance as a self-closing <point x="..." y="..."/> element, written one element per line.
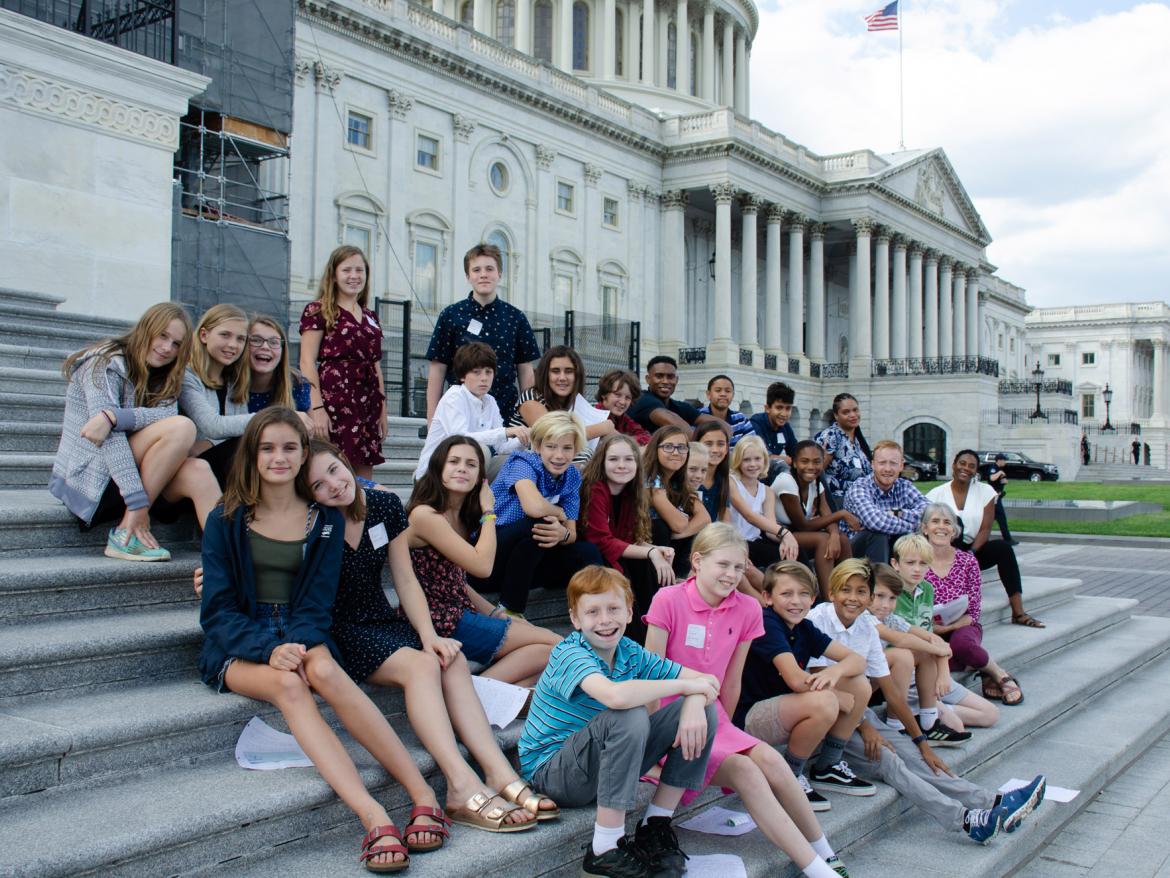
<point x="565" y="195"/>
<point x="427" y="153"/>
<point x="609" y="305"/>
<point x="358" y="236"/>
<point x="609" y="212"/>
<point x="359" y="131"/>
<point x="1000" y="341"/>
<point x="1054" y="359"/>
<point x="1012" y="344"/>
<point x="1089" y="358"/>
<point x="1088" y="405"/>
<point x="426" y="279"/>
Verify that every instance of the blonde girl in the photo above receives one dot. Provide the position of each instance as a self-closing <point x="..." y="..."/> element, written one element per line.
<point x="750" y="767"/>
<point x="272" y="380"/>
<point x="124" y="445"/>
<point x="676" y="514"/>
<point x="753" y="509"/>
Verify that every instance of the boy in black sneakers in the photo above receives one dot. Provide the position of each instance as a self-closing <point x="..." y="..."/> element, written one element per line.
<point x="588" y="736"/>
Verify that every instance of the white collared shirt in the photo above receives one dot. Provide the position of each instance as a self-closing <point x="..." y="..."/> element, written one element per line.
<point x="861" y="637"/>
<point x="461" y="412"/>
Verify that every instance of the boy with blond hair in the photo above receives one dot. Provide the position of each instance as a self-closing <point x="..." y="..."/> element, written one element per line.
<point x="589" y="738"/>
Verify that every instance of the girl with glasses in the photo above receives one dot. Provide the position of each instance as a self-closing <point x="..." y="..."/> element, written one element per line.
<point x="676" y="513"/>
<point x="273" y="380"/>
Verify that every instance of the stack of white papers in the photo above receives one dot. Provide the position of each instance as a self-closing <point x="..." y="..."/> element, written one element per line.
<point x="719" y="821"/>
<point x="263" y="748"/>
<point x="502" y="702"/>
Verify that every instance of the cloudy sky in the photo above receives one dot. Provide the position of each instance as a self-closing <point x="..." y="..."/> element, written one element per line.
<point x="1056" y="116"/>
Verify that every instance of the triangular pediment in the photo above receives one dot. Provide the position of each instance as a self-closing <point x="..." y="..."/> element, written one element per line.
<point x="929" y="181"/>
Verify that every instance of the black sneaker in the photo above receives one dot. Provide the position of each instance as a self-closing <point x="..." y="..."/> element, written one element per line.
<point x="815" y="800"/>
<point x="624" y="861"/>
<point x="658" y="846"/>
<point x="840" y="779"/>
<point x="942" y="735"/>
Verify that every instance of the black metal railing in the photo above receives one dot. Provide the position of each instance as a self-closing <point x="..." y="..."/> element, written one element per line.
<point x="835" y="370"/>
<point x="1131" y="429"/>
<point x="794" y="365"/>
<point x="145" y="27"/>
<point x="746" y="357"/>
<point x="1013" y="386"/>
<point x="770" y="362"/>
<point x="936" y="366"/>
<point x="692" y="356"/>
<point x="1025" y="416"/>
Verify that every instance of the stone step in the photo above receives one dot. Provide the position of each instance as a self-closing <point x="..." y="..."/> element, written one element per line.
<point x="30" y="300"/>
<point x="19" y="314"/>
<point x="25" y="469"/>
<point x="29" y="436"/>
<point x="41" y="382"/>
<point x="32" y="408"/>
<point x="555" y="849"/>
<point x="26" y="357"/>
<point x="50" y="330"/>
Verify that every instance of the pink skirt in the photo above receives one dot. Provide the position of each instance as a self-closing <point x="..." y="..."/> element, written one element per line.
<point x="729" y="740"/>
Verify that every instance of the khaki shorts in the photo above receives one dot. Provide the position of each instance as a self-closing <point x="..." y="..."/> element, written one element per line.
<point x="763" y="722"/>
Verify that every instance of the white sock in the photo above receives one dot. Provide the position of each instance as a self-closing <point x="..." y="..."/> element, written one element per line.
<point x="605" y="838"/>
<point x="822" y="847"/>
<point x="894" y="723"/>
<point x="927" y="717"/>
<point x="818" y="868"/>
<point x="653" y="810"/>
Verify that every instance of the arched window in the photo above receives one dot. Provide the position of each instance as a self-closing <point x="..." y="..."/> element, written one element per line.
<point x="619" y="43"/>
<point x="506" y="21"/>
<point x="501" y="240"/>
<point x="580" y="35"/>
<point x="671" y="54"/>
<point x="467" y="13"/>
<point x="542" y="29"/>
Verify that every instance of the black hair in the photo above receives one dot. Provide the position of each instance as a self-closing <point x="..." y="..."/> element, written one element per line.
<point x="714" y="378"/>
<point x="661" y="358"/>
<point x="778" y="391"/>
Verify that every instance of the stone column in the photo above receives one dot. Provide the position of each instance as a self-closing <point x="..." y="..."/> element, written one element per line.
<point x="931" y="318"/>
<point x="481" y="16"/>
<point x="708" y="90"/>
<point x="1158" y="409"/>
<point x="722" y="343"/>
<point x="915" y="347"/>
<point x="945" y="317"/>
<point x="773" y="321"/>
<point x="747" y="81"/>
<point x="749" y="207"/>
<point x="523" y="42"/>
<point x="816" y="292"/>
<point x="898" y="331"/>
<point x="546" y="196"/>
<point x="663" y="57"/>
<point x="796" y="224"/>
<point x="881" y="295"/>
<point x="682" y="54"/>
<point x="974" y="318"/>
<point x="727" y="92"/>
<point x="565" y="32"/>
<point x="648" y="25"/>
<point x="609" y="39"/>
<point x="672" y="292"/>
<point x="740" y="73"/>
<point x="860" y="340"/>
<point x="960" y="316"/>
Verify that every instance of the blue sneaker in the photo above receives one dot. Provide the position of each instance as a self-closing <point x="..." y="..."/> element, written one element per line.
<point x="1015" y="805"/>
<point x="982" y="824"/>
<point x="126" y="547"/>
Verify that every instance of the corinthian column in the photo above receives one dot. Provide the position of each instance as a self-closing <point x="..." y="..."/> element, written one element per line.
<point x="749" y="207"/>
<point x="565" y="29"/>
<point x="741" y="74"/>
<point x="796" y="285"/>
<point x="945" y="317"/>
<point x="931" y="319"/>
<point x="773" y="322"/>
<point x="727" y="98"/>
<point x="881" y="295"/>
<point x="960" y="345"/>
<point x="648" y="27"/>
<point x="682" y="54"/>
<point x="974" y="323"/>
<point x="915" y="347"/>
<point x="816" y="292"/>
<point x="672" y="292"/>
<point x="898" y="331"/>
<point x="722" y="341"/>
<point x="609" y="41"/>
<point x="708" y="89"/>
<point x="860" y="341"/>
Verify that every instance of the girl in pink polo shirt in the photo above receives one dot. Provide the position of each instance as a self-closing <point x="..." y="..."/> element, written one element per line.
<point x="707" y="625"/>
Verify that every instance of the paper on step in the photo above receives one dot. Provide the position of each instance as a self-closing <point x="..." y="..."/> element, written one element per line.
<point x="502" y="702"/>
<point x="719" y="821"/>
<point x="1051" y="793"/>
<point x="946" y="614"/>
<point x="716" y="866"/>
<point x="263" y="748"/>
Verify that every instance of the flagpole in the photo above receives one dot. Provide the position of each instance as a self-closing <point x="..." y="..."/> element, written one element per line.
<point x="901" y="100"/>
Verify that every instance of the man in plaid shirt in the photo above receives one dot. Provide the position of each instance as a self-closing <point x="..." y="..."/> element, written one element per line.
<point x="886" y="504"/>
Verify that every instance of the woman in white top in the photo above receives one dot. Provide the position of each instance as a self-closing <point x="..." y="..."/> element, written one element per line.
<point x="974" y="502"/>
<point x="802" y="504"/>
<point x="753" y="506"/>
<point x="560" y="386"/>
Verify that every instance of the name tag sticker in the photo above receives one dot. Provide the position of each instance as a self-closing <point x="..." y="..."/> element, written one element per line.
<point x="857" y="463"/>
<point x="555" y="499"/>
<point x="696" y="636"/>
<point x="474" y="326"/>
<point x="370" y="320"/>
<point x="378" y="536"/>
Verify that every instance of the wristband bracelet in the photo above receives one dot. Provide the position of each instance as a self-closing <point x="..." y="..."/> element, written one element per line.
<point x="487" y="516"/>
<point x="317" y="408"/>
<point x="565" y="539"/>
<point x="650" y="552"/>
<point x="918" y="739"/>
<point x="109" y="418"/>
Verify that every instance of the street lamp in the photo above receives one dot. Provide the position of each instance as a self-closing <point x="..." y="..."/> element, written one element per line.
<point x="1038" y="376"/>
<point x="1107" y="395"/>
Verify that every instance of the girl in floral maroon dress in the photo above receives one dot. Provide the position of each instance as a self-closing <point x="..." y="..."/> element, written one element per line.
<point x="341" y="355"/>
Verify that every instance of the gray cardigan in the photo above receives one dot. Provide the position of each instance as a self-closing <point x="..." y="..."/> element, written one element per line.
<point x="201" y="404"/>
<point x="82" y="470"/>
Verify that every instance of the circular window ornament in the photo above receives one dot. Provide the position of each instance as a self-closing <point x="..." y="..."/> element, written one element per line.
<point x="499" y="178"/>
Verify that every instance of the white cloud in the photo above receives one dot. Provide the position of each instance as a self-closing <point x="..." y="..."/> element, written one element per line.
<point x="1059" y="130"/>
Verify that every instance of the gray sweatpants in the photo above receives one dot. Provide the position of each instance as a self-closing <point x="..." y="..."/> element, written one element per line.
<point x="604" y="760"/>
<point x="942" y="797"/>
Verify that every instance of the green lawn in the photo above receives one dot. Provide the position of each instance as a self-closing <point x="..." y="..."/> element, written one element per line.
<point x="1155" y="524"/>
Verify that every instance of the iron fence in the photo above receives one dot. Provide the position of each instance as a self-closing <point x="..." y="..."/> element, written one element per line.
<point x="770" y="362"/>
<point x="1058" y="386"/>
<point x="1025" y="416"/>
<point x="145" y="27"/>
<point x="1133" y="428"/>
<point x="794" y="365"/>
<point x="692" y="356"/>
<point x="935" y="366"/>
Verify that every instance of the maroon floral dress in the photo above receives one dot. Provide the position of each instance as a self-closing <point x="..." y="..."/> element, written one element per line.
<point x="445" y="585"/>
<point x="348" y="364"/>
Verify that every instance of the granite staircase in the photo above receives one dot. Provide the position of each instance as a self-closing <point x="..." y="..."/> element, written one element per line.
<point x="115" y="759"/>
<point x="1102" y="472"/>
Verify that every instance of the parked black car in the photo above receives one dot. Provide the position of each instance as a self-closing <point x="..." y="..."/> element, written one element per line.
<point x="919" y="468"/>
<point x="1019" y="466"/>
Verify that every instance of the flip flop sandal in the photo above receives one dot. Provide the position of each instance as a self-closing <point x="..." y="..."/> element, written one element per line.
<point x="488" y="813"/>
<point x="514" y="792"/>
<point x="1027" y="621"/>
<point x="371" y="850"/>
<point x="439" y="829"/>
<point x="1008" y="680"/>
<point x="991" y="689"/>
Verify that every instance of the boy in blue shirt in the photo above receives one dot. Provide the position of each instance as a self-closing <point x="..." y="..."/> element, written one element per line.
<point x="589" y="738"/>
<point x="772" y="426"/>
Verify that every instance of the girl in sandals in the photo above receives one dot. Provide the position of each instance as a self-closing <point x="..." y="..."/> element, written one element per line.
<point x="271" y="563"/>
<point x="954" y="573"/>
<point x="378" y="645"/>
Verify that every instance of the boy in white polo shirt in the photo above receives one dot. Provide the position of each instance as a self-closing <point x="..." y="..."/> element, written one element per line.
<point x="467" y="409"/>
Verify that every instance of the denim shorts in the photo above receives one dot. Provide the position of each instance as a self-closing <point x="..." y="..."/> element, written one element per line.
<point x="481" y="636"/>
<point x="274" y="619"/>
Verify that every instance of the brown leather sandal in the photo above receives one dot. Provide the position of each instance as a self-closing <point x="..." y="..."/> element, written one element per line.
<point x="371" y="850"/>
<point x="439" y="829"/>
<point x="490" y="813"/>
<point x="991" y="689"/>
<point x="1027" y="621"/>
<point x="515" y="793"/>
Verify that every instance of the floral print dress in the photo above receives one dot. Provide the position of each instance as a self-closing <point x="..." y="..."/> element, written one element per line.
<point x="348" y="364"/>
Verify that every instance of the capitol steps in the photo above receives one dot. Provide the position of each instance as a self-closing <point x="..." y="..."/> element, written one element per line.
<point x="1101" y="472"/>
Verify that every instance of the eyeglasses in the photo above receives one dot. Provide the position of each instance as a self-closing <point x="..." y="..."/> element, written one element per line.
<point x="259" y="341"/>
<point x="673" y="449"/>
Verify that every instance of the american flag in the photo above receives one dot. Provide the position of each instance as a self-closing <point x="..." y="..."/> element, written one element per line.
<point x="885" y="18"/>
